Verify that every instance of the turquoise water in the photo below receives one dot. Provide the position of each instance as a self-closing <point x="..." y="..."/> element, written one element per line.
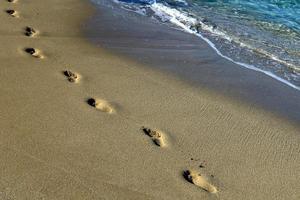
<point x="262" y="35"/>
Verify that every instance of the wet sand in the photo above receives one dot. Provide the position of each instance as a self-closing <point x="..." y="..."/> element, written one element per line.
<point x="80" y="122"/>
<point x="188" y="57"/>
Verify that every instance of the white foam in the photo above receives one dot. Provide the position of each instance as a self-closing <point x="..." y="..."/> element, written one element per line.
<point x="183" y="2"/>
<point x="185" y="22"/>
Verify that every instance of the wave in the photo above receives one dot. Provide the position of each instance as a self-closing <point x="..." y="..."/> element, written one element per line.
<point x="189" y="24"/>
<point x="204" y="29"/>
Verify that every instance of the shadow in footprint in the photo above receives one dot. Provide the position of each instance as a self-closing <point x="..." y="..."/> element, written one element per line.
<point x="12" y="13"/>
<point x="34" y="52"/>
<point x="72" y="76"/>
<point x="198" y="180"/>
<point x="101" y="105"/>
<point x="30" y="32"/>
<point x="12" y="1"/>
<point x="157" y="136"/>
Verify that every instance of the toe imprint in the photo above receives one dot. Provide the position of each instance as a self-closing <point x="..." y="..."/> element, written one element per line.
<point x="30" y="31"/>
<point x="157" y="136"/>
<point x="72" y="77"/>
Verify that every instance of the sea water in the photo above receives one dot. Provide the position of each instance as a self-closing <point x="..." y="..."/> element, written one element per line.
<point x="262" y="35"/>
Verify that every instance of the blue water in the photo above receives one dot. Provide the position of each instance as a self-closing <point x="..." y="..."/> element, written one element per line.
<point x="263" y="35"/>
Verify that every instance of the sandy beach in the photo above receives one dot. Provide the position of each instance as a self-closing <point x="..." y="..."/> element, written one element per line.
<point x="80" y="122"/>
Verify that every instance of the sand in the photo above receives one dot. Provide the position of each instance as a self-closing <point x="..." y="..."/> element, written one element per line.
<point x="55" y="145"/>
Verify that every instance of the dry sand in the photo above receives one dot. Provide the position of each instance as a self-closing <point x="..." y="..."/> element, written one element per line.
<point x="56" y="143"/>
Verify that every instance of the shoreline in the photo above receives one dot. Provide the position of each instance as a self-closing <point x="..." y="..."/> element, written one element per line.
<point x="168" y="49"/>
<point x="81" y="122"/>
<point x="182" y="21"/>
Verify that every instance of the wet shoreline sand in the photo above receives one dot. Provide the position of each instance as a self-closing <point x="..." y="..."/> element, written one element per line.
<point x="188" y="57"/>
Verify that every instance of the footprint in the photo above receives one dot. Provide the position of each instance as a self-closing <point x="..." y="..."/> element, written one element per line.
<point x="101" y="105"/>
<point x="30" y="32"/>
<point x="34" y="52"/>
<point x="12" y="1"/>
<point x="12" y="13"/>
<point x="157" y="136"/>
<point x="198" y="180"/>
<point x="72" y="76"/>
